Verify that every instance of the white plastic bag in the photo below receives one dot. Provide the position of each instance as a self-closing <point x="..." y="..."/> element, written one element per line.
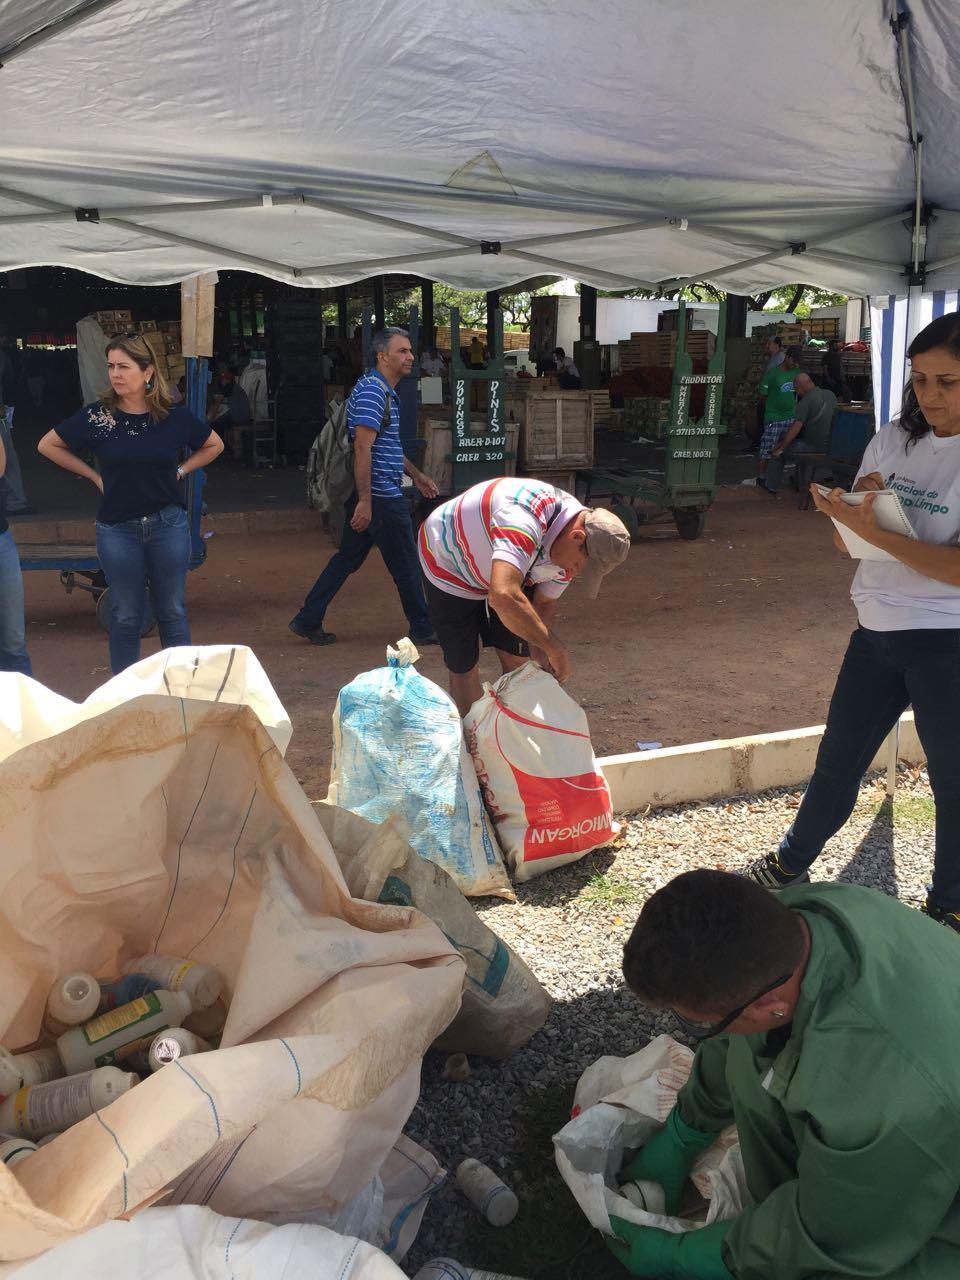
<point x="531" y="747"/>
<point x="398" y="750"/>
<point x="503" y="1002"/>
<point x="618" y="1105"/>
<point x="193" y="1243"/>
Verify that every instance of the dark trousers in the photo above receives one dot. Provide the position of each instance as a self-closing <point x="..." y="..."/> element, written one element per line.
<point x="883" y="672"/>
<point x="391" y="531"/>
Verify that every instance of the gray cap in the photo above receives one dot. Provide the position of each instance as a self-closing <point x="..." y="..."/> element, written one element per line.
<point x="607" y="545"/>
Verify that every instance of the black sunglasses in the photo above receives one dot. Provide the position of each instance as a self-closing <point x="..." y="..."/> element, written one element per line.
<point x="704" y="1030"/>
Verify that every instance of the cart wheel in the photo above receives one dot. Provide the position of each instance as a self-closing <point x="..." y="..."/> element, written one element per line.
<point x="628" y="515"/>
<point x="689" y="522"/>
<point x="103" y="614"/>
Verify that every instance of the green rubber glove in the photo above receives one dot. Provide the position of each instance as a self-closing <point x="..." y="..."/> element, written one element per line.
<point x="668" y="1158"/>
<point x="687" y="1255"/>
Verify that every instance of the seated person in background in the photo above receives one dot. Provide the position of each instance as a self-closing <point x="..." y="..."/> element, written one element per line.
<point x="829" y="1029"/>
<point x="230" y="407"/>
<point x="431" y="364"/>
<point x="808" y="433"/>
<point x="568" y="375"/>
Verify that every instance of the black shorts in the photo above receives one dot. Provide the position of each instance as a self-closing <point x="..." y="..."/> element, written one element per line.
<point x="462" y="625"/>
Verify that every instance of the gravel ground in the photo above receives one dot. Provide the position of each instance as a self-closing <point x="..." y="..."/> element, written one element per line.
<point x="570" y="927"/>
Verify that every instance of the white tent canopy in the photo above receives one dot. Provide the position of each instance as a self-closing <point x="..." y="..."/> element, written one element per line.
<point x="621" y="142"/>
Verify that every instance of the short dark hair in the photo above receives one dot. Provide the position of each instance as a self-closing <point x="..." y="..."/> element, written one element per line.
<point x="559" y="351"/>
<point x="794" y="353"/>
<point x="776" y="340"/>
<point x="943" y="332"/>
<point x="381" y="339"/>
<point x="708" y="941"/>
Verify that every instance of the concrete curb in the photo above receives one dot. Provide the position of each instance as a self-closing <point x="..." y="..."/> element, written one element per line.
<point x="727" y="767"/>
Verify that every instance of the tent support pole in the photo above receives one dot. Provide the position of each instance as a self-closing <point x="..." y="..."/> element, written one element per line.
<point x="168" y="237"/>
<point x="796" y="248"/>
<point x="54" y="28"/>
<point x="428" y="324"/>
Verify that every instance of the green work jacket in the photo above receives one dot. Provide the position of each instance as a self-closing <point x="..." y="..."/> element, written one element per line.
<point x="849" y="1118"/>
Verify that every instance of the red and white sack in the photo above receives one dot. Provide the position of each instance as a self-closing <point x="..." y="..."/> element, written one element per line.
<point x="531" y="747"/>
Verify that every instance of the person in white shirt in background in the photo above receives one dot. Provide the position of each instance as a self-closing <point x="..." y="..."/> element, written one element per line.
<point x="568" y="373"/>
<point x="432" y="364"/>
<point x="906" y="648"/>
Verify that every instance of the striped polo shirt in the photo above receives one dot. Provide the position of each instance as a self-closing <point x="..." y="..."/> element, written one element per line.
<point x="509" y="519"/>
<point x="367" y="408"/>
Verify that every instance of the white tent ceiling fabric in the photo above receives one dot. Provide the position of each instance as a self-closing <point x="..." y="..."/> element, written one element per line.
<point x="726" y="131"/>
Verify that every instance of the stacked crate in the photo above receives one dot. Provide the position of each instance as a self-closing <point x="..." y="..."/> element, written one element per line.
<point x="601" y="409"/>
<point x="647" y="416"/>
<point x="164" y="339"/>
<point x="658" y="350"/>
<point x="740" y="401"/>
<point x="113" y="322"/>
<point x="825" y="328"/>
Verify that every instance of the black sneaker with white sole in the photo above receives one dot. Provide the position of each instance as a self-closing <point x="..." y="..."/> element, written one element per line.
<point x="770" y="873"/>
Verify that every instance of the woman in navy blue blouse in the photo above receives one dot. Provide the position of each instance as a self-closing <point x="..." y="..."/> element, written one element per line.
<point x="143" y="536"/>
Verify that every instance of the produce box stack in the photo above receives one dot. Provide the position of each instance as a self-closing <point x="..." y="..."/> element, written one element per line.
<point x="112" y="322"/>
<point x="825" y="328"/>
<point x="164" y="338"/>
<point x="646" y="416"/>
<point x="740" y="401"/>
<point x="601" y="409"/>
<point x="658" y="350"/>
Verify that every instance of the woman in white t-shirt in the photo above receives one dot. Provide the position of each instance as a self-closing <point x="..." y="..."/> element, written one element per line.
<point x="907" y="646"/>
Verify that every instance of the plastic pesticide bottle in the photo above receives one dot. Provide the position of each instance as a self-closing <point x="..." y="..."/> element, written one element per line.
<point x="487" y="1193"/>
<point x="649" y="1196"/>
<point x="112" y="1037"/>
<point x="36" y="1067"/>
<point x="39" y="1109"/>
<point x="13" y="1150"/>
<point x="72" y="1000"/>
<point x="201" y="982"/>
<point x="448" y="1269"/>
<point x="173" y="1044"/>
<point x="123" y="990"/>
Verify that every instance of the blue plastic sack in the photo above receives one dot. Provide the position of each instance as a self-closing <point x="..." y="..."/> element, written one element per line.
<point x="399" y="751"/>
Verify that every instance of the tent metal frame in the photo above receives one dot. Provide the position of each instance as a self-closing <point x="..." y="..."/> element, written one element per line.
<point x="80" y="13"/>
<point x="452" y="244"/>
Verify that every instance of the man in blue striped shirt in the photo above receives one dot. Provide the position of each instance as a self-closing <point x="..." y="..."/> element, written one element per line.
<point x="377" y="514"/>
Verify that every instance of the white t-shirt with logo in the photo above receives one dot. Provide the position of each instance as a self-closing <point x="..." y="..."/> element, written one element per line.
<point x="893" y="597"/>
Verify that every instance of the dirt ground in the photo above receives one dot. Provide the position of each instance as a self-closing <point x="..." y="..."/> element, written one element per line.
<point x="739" y="632"/>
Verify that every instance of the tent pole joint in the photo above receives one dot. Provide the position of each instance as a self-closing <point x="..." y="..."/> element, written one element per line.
<point x="87" y="215"/>
<point x="798" y="246"/>
<point x="489" y="246"/>
<point x="900" y="22"/>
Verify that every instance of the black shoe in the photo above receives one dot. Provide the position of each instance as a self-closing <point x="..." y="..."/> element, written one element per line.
<point x="950" y="918"/>
<point x="315" y="637"/>
<point x="420" y="641"/>
<point x="770" y="873"/>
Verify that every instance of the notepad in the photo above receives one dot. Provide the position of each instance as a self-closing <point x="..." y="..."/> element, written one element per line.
<point x="890" y="515"/>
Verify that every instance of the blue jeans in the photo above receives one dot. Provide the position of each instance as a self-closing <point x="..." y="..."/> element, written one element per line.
<point x="137" y="556"/>
<point x="13" y="647"/>
<point x="882" y="673"/>
<point x="391" y="530"/>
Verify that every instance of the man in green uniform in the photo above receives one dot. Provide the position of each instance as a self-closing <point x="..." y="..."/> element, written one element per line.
<point x="777" y="386"/>
<point x="830" y="1022"/>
